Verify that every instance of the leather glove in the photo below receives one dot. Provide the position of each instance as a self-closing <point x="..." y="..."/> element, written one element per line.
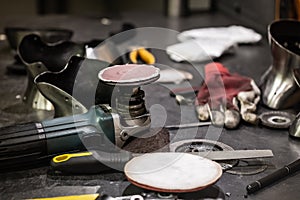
<point x="225" y="98"/>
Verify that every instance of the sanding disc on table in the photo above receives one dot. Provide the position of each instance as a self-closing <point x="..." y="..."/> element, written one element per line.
<point x="129" y="74"/>
<point x="172" y="172"/>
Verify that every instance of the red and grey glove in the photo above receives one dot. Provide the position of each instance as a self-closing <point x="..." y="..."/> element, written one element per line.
<point x="225" y="97"/>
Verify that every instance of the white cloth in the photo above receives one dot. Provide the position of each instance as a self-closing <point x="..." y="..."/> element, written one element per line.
<point x="204" y="44"/>
<point x="198" y="50"/>
<point x="173" y="76"/>
<point x="237" y="34"/>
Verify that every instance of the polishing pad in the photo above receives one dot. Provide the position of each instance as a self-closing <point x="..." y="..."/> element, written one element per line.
<point x="129" y="74"/>
<point x="172" y="172"/>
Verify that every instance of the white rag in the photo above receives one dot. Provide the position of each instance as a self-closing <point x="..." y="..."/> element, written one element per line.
<point x="204" y="44"/>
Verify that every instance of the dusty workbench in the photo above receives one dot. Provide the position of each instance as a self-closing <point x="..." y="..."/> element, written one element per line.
<point x="248" y="60"/>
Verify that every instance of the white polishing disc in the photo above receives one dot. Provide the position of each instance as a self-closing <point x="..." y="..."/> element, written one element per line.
<point x="172" y="172"/>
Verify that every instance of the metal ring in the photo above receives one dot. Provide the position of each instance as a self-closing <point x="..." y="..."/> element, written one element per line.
<point x="214" y="145"/>
<point x="194" y="145"/>
<point x="277" y="119"/>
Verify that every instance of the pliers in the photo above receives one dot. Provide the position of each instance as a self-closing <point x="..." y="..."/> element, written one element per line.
<point x="140" y="53"/>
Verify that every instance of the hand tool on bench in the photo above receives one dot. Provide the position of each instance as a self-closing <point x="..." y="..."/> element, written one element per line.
<point x="101" y="126"/>
<point x="93" y="197"/>
<point x="93" y="162"/>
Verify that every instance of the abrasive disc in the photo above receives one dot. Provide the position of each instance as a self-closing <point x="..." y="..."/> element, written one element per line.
<point x="172" y="172"/>
<point x="129" y="74"/>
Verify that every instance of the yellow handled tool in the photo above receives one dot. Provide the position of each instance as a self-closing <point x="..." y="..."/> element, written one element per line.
<point x="75" y="197"/>
<point x="144" y="55"/>
<point x="94" y="197"/>
<point x="91" y="162"/>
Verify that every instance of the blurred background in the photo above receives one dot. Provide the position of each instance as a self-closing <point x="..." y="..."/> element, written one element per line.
<point x="256" y="13"/>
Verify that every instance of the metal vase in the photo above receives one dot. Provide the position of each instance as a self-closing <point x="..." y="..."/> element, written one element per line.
<point x="279" y="89"/>
<point x="294" y="129"/>
<point x="76" y="88"/>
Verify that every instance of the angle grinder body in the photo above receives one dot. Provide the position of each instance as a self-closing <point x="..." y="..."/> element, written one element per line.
<point x="101" y="128"/>
<point x="27" y="144"/>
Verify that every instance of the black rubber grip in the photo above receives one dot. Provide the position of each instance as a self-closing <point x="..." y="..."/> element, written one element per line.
<point x="268" y="180"/>
<point x="21" y="145"/>
<point x="273" y="177"/>
<point x="96" y="162"/>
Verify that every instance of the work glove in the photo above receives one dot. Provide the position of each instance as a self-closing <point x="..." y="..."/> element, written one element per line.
<point x="225" y="98"/>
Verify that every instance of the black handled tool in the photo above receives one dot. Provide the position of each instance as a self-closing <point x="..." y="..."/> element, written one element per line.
<point x="273" y="177"/>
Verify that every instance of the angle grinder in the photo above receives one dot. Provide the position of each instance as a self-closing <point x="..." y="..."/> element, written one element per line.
<point x="101" y="126"/>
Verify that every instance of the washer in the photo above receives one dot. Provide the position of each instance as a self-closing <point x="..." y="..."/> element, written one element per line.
<point x="277" y="119"/>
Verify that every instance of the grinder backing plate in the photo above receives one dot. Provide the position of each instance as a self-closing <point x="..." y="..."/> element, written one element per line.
<point x="130" y="74"/>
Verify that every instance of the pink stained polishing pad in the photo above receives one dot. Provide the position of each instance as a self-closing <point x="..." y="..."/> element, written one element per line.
<point x="129" y="73"/>
<point x="172" y="172"/>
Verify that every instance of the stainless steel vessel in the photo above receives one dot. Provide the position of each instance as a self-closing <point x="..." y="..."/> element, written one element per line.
<point x="294" y="129"/>
<point x="279" y="89"/>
